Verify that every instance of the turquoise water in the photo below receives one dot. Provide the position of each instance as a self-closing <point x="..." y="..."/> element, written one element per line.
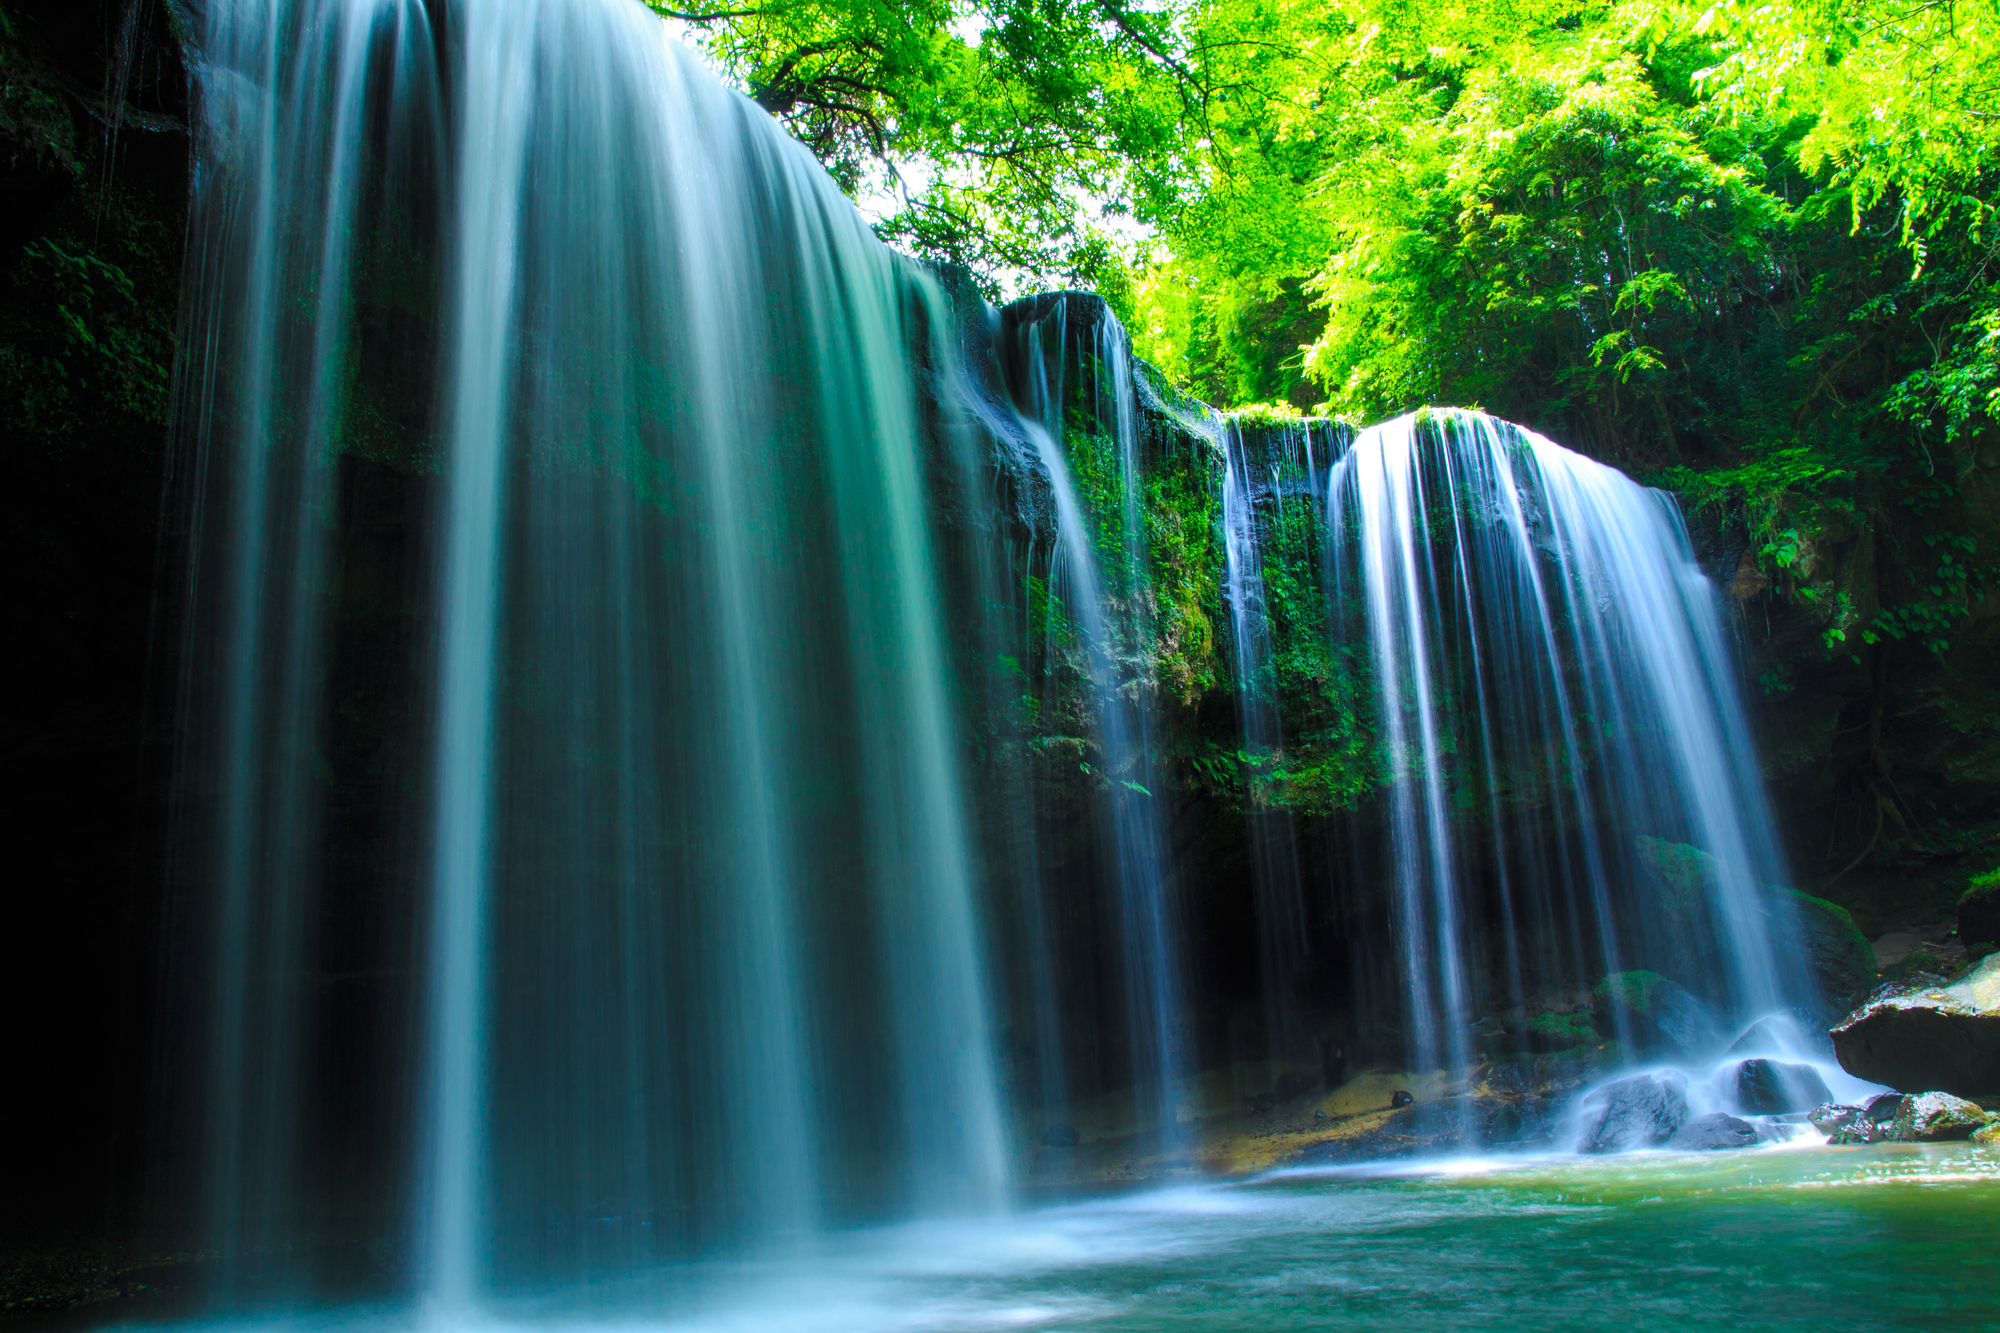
<point x="1896" y="1236"/>
<point x="1882" y="1237"/>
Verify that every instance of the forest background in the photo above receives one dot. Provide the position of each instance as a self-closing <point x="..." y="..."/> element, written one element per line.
<point x="1746" y="252"/>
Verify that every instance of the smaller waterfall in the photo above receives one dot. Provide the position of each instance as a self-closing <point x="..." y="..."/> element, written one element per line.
<point x="1554" y="683"/>
<point x="1079" y="408"/>
<point x="1273" y="514"/>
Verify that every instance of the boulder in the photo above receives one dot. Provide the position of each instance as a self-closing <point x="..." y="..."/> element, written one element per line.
<point x="1835" y="1119"/>
<point x="1706" y="1133"/>
<point x="1771" y="1087"/>
<point x="1759" y="1036"/>
<point x="1935" y="1117"/>
<point x="1842" y="960"/>
<point x="1558" y="1032"/>
<point x="1988" y="1135"/>
<point x="1882" y="1107"/>
<point x="1687" y="879"/>
<point x="1658" y="1014"/>
<point x="1979" y="913"/>
<point x="1639" y="1112"/>
<point x="1927" y="1037"/>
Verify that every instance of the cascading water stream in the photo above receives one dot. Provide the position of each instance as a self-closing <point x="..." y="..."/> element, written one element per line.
<point x="1105" y="395"/>
<point x="1539" y="629"/>
<point x="704" y="960"/>
<point x="1288" y="470"/>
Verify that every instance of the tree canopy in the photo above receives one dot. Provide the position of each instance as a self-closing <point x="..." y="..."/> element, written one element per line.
<point x="1747" y="250"/>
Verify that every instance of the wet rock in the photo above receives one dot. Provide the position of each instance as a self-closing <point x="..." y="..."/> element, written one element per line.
<point x="1502" y="1123"/>
<point x="1919" y="1037"/>
<point x="1060" y="1136"/>
<point x="1842" y="960"/>
<point x="1759" y="1036"/>
<point x="1770" y="1087"/>
<point x="1935" y="1117"/>
<point x="1835" y="1120"/>
<point x="1686" y="879"/>
<point x="1657" y="1013"/>
<point x="1423" y="1129"/>
<point x="1882" y="1107"/>
<point x="1400" y="1098"/>
<point x="1988" y="1135"/>
<point x="1545" y="1033"/>
<point x="1979" y="913"/>
<point x="1708" y="1133"/>
<point x="1639" y="1112"/>
<point x="1866" y="1123"/>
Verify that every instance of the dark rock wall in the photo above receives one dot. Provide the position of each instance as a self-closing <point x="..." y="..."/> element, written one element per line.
<point x="93" y="184"/>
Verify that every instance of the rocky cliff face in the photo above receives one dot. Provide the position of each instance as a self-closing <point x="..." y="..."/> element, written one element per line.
<point x="93" y="186"/>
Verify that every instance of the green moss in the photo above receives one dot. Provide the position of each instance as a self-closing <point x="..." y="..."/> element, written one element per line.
<point x="1842" y="960"/>
<point x="1979" y="913"/>
<point x="1628" y="990"/>
<point x="1562" y="1031"/>
<point x="1184" y="559"/>
<point x="1920" y="961"/>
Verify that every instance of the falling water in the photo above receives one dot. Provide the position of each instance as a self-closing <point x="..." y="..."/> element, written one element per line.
<point x="1273" y="500"/>
<point x="1086" y="373"/>
<point x="598" y="542"/>
<point x="1553" y="682"/>
<point x="690" y="853"/>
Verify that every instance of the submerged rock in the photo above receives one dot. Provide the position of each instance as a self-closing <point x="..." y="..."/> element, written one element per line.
<point x="1656" y="1012"/>
<point x="1770" y="1087"/>
<point x="1640" y="1112"/>
<point x="1292" y="1084"/>
<point x="1706" y="1133"/>
<point x="1935" y="1117"/>
<point x="1923" y="1037"/>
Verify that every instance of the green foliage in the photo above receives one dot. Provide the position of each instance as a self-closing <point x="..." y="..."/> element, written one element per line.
<point x="92" y="350"/>
<point x="1006" y="135"/>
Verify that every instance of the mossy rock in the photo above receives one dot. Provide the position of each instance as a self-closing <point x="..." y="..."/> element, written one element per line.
<point x="1685" y="880"/>
<point x="1979" y="913"/>
<point x="1559" y="1032"/>
<point x="1842" y="961"/>
<point x="1678" y="867"/>
<point x="1656" y="1013"/>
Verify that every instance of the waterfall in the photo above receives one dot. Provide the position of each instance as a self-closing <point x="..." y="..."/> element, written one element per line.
<point x="694" y="725"/>
<point x="1273" y="501"/>
<point x="668" y="898"/>
<point x="1553" y="682"/>
<point x="1083" y="373"/>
